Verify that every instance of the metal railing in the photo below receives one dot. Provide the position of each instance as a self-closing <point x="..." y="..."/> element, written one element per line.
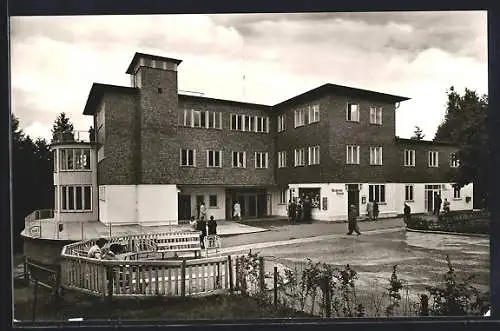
<point x="74" y="136"/>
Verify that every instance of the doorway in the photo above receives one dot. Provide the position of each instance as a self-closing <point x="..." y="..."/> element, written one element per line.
<point x="184" y="207"/>
<point x="430" y="190"/>
<point x="199" y="200"/>
<point x="353" y="197"/>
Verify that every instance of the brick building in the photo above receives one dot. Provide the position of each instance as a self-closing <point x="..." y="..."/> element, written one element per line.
<point x="160" y="153"/>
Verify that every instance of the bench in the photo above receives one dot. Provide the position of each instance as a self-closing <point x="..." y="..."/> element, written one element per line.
<point x="212" y="242"/>
<point x="185" y="241"/>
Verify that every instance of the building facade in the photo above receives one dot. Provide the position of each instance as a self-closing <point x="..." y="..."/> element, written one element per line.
<point x="159" y="153"/>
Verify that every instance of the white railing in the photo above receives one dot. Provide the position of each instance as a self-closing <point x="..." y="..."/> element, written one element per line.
<point x="74" y="136"/>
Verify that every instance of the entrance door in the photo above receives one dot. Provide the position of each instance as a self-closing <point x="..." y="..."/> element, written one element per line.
<point x="252" y="206"/>
<point x="243" y="206"/>
<point x="184" y="209"/>
<point x="353" y="196"/>
<point x="430" y="191"/>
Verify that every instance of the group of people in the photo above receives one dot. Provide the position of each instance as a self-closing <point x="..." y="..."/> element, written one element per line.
<point x="372" y="210"/>
<point x="97" y="251"/>
<point x="300" y="210"/>
<point x="206" y="228"/>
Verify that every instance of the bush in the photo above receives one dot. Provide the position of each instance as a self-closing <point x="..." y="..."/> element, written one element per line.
<point x="476" y="222"/>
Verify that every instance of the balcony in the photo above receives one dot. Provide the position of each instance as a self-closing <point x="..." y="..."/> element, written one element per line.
<point x="75" y="136"/>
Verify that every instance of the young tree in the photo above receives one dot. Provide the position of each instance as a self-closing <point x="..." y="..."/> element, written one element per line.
<point x="465" y="125"/>
<point x="418" y="134"/>
<point x="62" y="128"/>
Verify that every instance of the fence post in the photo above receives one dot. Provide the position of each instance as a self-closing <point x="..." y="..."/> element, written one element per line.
<point x="109" y="276"/>
<point x="230" y="271"/>
<point x="26" y="274"/>
<point x="183" y="278"/>
<point x="262" y="280"/>
<point x="35" y="290"/>
<point x="275" y="286"/>
<point x="327" y="296"/>
<point x="237" y="273"/>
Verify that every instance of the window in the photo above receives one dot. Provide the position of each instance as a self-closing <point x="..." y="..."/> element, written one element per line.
<point x="188" y="157"/>
<point x="78" y="198"/>
<point x="454" y="163"/>
<point x="261" y="125"/>
<point x="376" y="155"/>
<point x="202" y="119"/>
<point x="376" y="193"/>
<point x="409" y="158"/>
<point x="54" y="157"/>
<point x="352" y="154"/>
<point x="74" y="159"/>
<point x="299" y="119"/>
<point x="214" y="159"/>
<point x="239" y="160"/>
<point x="249" y="123"/>
<point x="313" y="155"/>
<point x="300" y="157"/>
<point x="282" y="159"/>
<point x="214" y="120"/>
<point x="281" y="123"/>
<point x="196" y="119"/>
<point x="352" y="112"/>
<point x="236" y="122"/>
<point x="408" y="192"/>
<point x="456" y="192"/>
<point x="313" y="114"/>
<point x="433" y="159"/>
<point x="248" y="120"/>
<point x="283" y="195"/>
<point x="313" y="194"/>
<point x="212" y="201"/>
<point x="261" y="160"/>
<point x="376" y="115"/>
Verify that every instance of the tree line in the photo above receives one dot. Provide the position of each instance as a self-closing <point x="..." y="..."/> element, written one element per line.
<point x="32" y="173"/>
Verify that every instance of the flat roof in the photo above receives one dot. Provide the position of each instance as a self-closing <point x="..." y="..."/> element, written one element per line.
<point x="424" y="142"/>
<point x="138" y="55"/>
<point x="339" y="89"/>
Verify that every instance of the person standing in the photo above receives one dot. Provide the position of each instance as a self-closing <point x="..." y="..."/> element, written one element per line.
<point x="212" y="226"/>
<point x="375" y="210"/>
<point x="437" y="204"/>
<point x="406" y="213"/>
<point x="203" y="212"/>
<point x="300" y="211"/>
<point x="369" y="210"/>
<point x="352" y="217"/>
<point x="202" y="227"/>
<point x="237" y="211"/>
<point x="446" y="206"/>
<point x="307" y="209"/>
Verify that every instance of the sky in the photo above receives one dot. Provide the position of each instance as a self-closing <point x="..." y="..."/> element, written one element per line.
<point x="55" y="60"/>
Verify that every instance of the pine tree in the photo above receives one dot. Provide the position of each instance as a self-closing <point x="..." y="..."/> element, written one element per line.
<point x="62" y="128"/>
<point x="418" y="134"/>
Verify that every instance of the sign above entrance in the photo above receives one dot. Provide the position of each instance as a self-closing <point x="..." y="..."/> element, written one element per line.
<point x="35" y="231"/>
<point x="339" y="191"/>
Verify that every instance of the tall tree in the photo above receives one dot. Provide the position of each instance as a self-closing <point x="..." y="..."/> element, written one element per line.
<point x="62" y="127"/>
<point x="418" y="134"/>
<point x="465" y="125"/>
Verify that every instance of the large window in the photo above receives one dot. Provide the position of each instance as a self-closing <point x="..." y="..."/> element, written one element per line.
<point x="313" y="114"/>
<point x="408" y="192"/>
<point x="376" y="155"/>
<point x="313" y="155"/>
<point x="352" y="112"/>
<point x="78" y="198"/>
<point x="456" y="192"/>
<point x="239" y="159"/>
<point x="376" y="193"/>
<point x="352" y="154"/>
<point x="282" y="159"/>
<point x="409" y="160"/>
<point x="433" y="159"/>
<point x="283" y="196"/>
<point x="313" y="194"/>
<point x="376" y="115"/>
<point x="214" y="159"/>
<point x="202" y="119"/>
<point x="454" y="163"/>
<point x="249" y="123"/>
<point x="188" y="157"/>
<point x="300" y="117"/>
<point x="300" y="157"/>
<point x="281" y="123"/>
<point x="212" y="201"/>
<point x="74" y="159"/>
<point x="261" y="160"/>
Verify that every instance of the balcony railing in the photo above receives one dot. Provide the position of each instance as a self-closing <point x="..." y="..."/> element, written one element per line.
<point x="75" y="136"/>
<point x="40" y="214"/>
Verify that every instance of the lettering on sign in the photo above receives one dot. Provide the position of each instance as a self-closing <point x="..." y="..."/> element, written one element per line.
<point x="35" y="231"/>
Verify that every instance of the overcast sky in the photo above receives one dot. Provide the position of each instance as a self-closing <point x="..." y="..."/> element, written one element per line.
<point x="55" y="60"/>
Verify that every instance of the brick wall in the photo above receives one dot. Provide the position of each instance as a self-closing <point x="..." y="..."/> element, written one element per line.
<point x="118" y="166"/>
<point x="224" y="139"/>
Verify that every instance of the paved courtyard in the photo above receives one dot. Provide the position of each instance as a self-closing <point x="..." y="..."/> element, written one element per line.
<point x="420" y="256"/>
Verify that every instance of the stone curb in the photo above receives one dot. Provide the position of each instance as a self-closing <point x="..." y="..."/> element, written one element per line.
<point x="480" y="235"/>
